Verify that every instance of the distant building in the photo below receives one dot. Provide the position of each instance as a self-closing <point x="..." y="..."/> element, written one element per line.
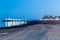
<point x="51" y="18"/>
<point x="47" y="17"/>
<point x="13" y="22"/>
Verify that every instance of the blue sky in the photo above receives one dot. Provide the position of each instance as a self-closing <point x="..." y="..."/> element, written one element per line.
<point x="28" y="9"/>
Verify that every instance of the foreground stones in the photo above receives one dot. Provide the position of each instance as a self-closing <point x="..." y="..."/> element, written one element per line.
<point x="35" y="32"/>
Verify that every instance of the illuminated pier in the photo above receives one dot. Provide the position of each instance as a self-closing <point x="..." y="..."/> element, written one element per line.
<point x="12" y="22"/>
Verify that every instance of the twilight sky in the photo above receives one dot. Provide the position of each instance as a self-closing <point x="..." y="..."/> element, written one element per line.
<point x="28" y="9"/>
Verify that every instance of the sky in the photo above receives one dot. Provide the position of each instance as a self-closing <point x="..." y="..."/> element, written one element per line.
<point x="28" y="9"/>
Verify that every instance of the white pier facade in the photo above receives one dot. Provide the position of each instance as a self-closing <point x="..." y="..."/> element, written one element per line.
<point x="13" y="22"/>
